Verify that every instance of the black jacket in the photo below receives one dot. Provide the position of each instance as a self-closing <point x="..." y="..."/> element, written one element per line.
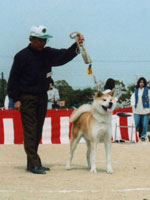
<point x="30" y="73"/>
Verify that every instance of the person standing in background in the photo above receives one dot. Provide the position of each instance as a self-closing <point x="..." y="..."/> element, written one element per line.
<point x="140" y="102"/>
<point x="53" y="96"/>
<point x="109" y="85"/>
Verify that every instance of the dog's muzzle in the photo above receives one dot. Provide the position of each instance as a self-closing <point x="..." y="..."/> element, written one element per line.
<point x="108" y="108"/>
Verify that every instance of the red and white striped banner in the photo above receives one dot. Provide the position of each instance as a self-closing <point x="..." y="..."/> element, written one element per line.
<point x="57" y="128"/>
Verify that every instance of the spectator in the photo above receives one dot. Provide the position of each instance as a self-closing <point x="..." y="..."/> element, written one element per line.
<point x="8" y="103"/>
<point x="53" y="96"/>
<point x="109" y="85"/>
<point x="28" y="84"/>
<point x="140" y="102"/>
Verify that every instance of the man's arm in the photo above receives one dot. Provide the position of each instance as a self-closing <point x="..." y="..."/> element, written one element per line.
<point x="13" y="81"/>
<point x="62" y="56"/>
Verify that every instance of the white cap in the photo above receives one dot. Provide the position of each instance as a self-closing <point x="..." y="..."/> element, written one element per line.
<point x="40" y="32"/>
<point x="106" y="91"/>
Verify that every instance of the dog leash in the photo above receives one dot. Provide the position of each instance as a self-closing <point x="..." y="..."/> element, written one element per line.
<point x="85" y="56"/>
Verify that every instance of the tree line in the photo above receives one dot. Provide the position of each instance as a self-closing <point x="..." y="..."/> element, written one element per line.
<point x="75" y="98"/>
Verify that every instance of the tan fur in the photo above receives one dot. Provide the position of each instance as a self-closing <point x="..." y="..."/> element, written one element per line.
<point x="83" y="123"/>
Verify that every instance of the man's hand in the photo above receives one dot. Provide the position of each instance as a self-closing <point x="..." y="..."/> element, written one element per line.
<point x="17" y="105"/>
<point x="80" y="37"/>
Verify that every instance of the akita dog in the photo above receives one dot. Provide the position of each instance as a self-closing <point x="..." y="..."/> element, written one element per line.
<point x="93" y="123"/>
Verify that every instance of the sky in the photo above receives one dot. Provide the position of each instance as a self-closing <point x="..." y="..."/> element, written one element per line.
<point x="116" y="32"/>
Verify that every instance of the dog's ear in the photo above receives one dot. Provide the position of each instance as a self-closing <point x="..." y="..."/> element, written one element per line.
<point x="98" y="94"/>
<point x="112" y="92"/>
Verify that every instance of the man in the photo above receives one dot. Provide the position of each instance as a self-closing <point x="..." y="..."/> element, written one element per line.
<point x="53" y="96"/>
<point x="28" y="84"/>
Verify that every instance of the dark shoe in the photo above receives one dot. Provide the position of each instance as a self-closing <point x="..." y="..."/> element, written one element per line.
<point x="45" y="168"/>
<point x="119" y="141"/>
<point x="143" y="139"/>
<point x="148" y="137"/>
<point x="42" y="167"/>
<point x="37" y="170"/>
<point x="122" y="141"/>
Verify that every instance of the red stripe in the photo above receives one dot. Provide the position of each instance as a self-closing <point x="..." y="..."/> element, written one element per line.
<point x="41" y="141"/>
<point x="55" y="137"/>
<point x="18" y="129"/>
<point x="1" y="128"/>
<point x="127" y="109"/>
<point x="136" y="136"/>
<point x="124" y="130"/>
<point x="70" y="127"/>
<point x="55" y="131"/>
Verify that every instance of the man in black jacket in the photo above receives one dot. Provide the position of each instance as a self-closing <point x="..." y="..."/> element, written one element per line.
<point x="28" y="84"/>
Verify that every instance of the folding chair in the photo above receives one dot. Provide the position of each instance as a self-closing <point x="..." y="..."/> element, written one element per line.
<point x="127" y="130"/>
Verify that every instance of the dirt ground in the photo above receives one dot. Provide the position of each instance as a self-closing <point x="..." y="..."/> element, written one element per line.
<point x="130" y="180"/>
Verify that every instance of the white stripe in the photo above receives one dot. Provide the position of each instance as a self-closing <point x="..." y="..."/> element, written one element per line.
<point x="6" y="191"/>
<point x="115" y="128"/>
<point x="131" y="128"/>
<point x="133" y="189"/>
<point x="97" y="191"/>
<point x="114" y="122"/>
<point x="8" y="131"/>
<point x="71" y="191"/>
<point x="119" y="137"/>
<point x="64" y="130"/>
<point x="46" y="135"/>
<point x="79" y="191"/>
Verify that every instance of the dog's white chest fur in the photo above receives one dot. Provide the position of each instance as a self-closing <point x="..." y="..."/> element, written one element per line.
<point x="101" y="130"/>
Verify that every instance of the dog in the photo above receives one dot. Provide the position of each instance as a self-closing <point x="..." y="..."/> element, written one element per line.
<point x="93" y="123"/>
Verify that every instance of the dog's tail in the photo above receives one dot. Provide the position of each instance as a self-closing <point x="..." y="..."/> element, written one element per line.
<point x="82" y="109"/>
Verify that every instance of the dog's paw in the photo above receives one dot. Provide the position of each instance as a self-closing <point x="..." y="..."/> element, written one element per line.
<point x="110" y="170"/>
<point x="93" y="170"/>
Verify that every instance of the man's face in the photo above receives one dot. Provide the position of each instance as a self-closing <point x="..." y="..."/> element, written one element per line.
<point x="38" y="43"/>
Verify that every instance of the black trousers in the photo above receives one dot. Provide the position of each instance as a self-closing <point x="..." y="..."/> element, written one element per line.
<point x="33" y="111"/>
